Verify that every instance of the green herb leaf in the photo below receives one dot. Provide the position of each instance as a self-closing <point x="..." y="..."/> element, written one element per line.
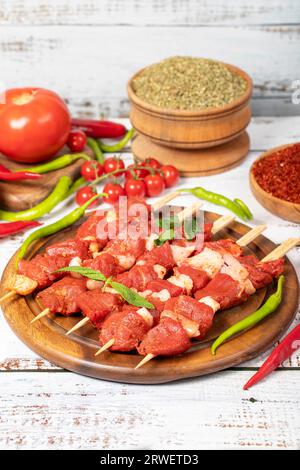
<point x="191" y="229"/>
<point x="87" y="272"/>
<point x="129" y="295"/>
<point x="165" y="236"/>
<point x="168" y="222"/>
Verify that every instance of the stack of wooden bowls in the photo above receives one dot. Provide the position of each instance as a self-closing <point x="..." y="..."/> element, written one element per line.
<point x="196" y="142"/>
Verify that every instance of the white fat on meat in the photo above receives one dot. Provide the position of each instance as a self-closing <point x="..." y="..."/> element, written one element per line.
<point x="94" y="247"/>
<point x="23" y="285"/>
<point x="238" y="272"/>
<point x="146" y="315"/>
<point x="125" y="261"/>
<point x="162" y="295"/>
<point x="141" y="262"/>
<point x="182" y="280"/>
<point x="89" y="238"/>
<point x="150" y="241"/>
<point x="213" y="304"/>
<point x="160" y="271"/>
<point x="145" y="293"/>
<point x="91" y="284"/>
<point x="110" y="290"/>
<point x="208" y="260"/>
<point x="181" y="253"/>
<point x="190" y="326"/>
<point x="75" y="262"/>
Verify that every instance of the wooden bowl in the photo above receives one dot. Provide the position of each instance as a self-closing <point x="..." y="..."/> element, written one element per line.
<point x="284" y="209"/>
<point x="192" y="129"/>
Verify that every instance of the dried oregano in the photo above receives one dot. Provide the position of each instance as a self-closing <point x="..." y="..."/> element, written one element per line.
<point x="188" y="83"/>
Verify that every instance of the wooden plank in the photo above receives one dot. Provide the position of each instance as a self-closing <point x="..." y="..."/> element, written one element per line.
<point x="99" y="85"/>
<point x="65" y="411"/>
<point x="143" y="12"/>
<point x="274" y="107"/>
<point x="269" y="132"/>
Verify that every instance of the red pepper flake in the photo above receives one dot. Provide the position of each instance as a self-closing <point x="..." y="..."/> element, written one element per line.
<point x="279" y="173"/>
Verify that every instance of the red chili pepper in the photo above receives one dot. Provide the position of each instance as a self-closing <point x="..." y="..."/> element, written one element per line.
<point x="10" y="228"/>
<point x="100" y="129"/>
<point x="283" y="351"/>
<point x="4" y="169"/>
<point x="18" y="175"/>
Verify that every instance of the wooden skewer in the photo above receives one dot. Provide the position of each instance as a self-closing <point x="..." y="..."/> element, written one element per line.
<point x="78" y="325"/>
<point x="282" y="249"/>
<point x="106" y="346"/>
<point x="221" y="223"/>
<point x="145" y="360"/>
<point x="251" y="235"/>
<point x="164" y="200"/>
<point x="44" y="313"/>
<point x="189" y="211"/>
<point x="7" y="296"/>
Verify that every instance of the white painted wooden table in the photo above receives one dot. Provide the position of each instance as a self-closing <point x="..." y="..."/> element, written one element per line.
<point x="42" y="406"/>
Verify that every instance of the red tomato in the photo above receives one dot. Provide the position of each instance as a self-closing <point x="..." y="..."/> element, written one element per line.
<point x="153" y="163"/>
<point x="135" y="187"/>
<point x="171" y="175"/>
<point x="154" y="185"/>
<point x="113" y="164"/>
<point x="35" y="124"/>
<point x="138" y="172"/>
<point x="76" y="141"/>
<point x="114" y="191"/>
<point x="90" y="170"/>
<point x="85" y="194"/>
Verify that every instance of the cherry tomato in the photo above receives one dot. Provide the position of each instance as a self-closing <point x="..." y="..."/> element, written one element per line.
<point x="135" y="187"/>
<point x="114" y="191"/>
<point x="138" y="172"/>
<point x="35" y="123"/>
<point x="153" y="163"/>
<point x="76" y="141"/>
<point x="91" y="169"/>
<point x="170" y="174"/>
<point x="85" y="194"/>
<point x="113" y="164"/>
<point x="154" y="185"/>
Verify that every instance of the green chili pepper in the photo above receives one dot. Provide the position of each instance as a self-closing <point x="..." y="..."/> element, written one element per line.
<point x="219" y="200"/>
<point x="60" y="224"/>
<point x="266" y="309"/>
<point x="245" y="208"/>
<point x="60" y="162"/>
<point x="93" y="144"/>
<point x="76" y="185"/>
<point x="117" y="147"/>
<point x="58" y="194"/>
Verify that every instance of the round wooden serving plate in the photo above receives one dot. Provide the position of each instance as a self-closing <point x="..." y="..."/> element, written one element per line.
<point x="197" y="162"/>
<point x="76" y="353"/>
<point x="284" y="209"/>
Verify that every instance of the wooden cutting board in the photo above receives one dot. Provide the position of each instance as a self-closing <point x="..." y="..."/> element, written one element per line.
<point x="21" y="195"/>
<point x="77" y="352"/>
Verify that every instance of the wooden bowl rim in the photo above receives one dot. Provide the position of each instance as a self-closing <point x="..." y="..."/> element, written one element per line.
<point x="257" y="186"/>
<point x="201" y="112"/>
